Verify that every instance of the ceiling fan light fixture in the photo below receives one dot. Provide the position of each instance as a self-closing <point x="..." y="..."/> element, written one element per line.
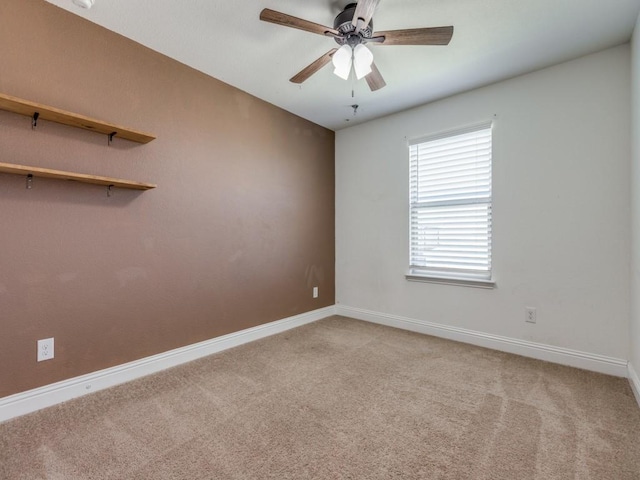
<point x="362" y="60"/>
<point x="84" y="3"/>
<point x="342" y="62"/>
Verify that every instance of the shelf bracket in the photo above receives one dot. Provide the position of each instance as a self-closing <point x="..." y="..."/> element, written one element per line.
<point x="29" y="181"/>
<point x="111" y="135"/>
<point x="34" y="120"/>
<point x="109" y="190"/>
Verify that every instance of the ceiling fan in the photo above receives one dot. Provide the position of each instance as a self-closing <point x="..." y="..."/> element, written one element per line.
<point x="352" y="30"/>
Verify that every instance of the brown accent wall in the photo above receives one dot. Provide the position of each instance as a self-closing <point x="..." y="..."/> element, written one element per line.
<point x="239" y="230"/>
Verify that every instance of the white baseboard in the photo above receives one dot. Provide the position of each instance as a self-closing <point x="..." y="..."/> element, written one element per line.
<point x="38" y="398"/>
<point x="563" y="356"/>
<point x="634" y="381"/>
<point x="42" y="397"/>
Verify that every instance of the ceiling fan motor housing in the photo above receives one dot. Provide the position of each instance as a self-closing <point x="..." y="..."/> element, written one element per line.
<point x="343" y="24"/>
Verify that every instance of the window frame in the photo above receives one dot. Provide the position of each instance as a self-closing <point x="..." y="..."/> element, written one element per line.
<point x="453" y="277"/>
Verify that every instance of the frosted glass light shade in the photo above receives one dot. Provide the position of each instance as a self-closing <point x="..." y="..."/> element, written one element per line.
<point x="342" y="61"/>
<point x="84" y="3"/>
<point x="362" y="60"/>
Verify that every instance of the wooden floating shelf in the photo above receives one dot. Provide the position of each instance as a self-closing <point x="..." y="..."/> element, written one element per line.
<point x="25" y="107"/>
<point x="78" y="177"/>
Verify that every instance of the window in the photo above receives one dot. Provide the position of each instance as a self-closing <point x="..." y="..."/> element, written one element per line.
<point x="450" y="204"/>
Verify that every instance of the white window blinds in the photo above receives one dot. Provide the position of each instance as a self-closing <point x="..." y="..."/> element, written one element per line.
<point x="450" y="190"/>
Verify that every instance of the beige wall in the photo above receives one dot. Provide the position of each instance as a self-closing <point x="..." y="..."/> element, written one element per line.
<point x="239" y="230"/>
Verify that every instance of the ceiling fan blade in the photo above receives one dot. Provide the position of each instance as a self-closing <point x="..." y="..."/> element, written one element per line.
<point x="306" y="72"/>
<point x="374" y="79"/>
<point x="279" y="18"/>
<point x="364" y="12"/>
<point x="416" y="36"/>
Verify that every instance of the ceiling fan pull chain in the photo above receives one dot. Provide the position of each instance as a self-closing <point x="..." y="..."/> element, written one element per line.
<point x="352" y="77"/>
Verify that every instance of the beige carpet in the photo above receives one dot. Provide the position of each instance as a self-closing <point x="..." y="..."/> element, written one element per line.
<point x="339" y="399"/>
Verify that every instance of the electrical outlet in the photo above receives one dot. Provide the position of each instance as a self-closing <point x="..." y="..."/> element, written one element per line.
<point x="45" y="349"/>
<point x="530" y="315"/>
<point x="315" y="292"/>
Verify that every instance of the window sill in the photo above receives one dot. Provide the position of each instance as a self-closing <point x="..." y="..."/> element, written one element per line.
<point x="461" y="282"/>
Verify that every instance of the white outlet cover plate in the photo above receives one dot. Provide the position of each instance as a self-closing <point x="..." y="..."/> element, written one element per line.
<point x="45" y="349"/>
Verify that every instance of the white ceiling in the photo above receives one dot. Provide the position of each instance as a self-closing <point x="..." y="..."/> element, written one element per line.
<point x="493" y="40"/>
